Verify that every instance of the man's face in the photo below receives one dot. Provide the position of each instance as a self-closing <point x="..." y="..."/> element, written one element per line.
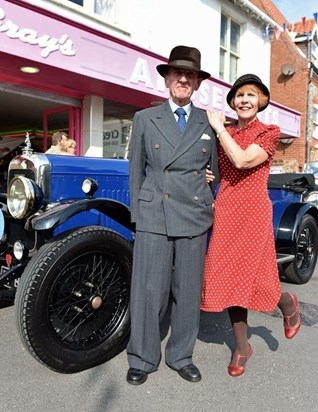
<point x="181" y="84"/>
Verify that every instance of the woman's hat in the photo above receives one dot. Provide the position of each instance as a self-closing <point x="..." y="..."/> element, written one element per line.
<point x="248" y="79"/>
<point x="183" y="57"/>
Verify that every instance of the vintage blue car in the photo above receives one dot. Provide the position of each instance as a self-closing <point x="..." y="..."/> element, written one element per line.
<point x="66" y="252"/>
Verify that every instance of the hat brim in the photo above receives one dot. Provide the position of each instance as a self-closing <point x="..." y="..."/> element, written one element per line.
<point x="163" y="69"/>
<point x="261" y="86"/>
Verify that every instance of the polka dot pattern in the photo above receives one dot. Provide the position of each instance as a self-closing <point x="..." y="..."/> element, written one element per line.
<point x="240" y="266"/>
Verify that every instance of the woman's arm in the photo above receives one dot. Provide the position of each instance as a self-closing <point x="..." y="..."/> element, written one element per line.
<point x="252" y="156"/>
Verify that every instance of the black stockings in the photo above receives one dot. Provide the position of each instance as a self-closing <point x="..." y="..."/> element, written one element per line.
<point x="238" y="318"/>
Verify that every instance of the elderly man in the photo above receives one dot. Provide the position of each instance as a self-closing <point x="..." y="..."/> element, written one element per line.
<point x="171" y="204"/>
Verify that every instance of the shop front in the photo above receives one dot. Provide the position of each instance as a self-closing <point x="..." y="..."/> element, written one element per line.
<point x="88" y="83"/>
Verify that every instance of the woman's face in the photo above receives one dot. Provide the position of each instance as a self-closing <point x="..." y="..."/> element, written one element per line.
<point x="71" y="149"/>
<point x="246" y="103"/>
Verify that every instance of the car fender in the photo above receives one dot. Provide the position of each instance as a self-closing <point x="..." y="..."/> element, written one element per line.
<point x="59" y="214"/>
<point x="287" y="228"/>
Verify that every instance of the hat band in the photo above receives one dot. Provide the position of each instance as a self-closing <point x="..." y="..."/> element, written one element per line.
<point x="185" y="63"/>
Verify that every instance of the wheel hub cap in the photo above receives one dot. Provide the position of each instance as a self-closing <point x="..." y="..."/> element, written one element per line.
<point x="96" y="302"/>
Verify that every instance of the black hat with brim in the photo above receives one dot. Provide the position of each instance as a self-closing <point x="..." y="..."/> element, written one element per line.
<point x="183" y="57"/>
<point x="244" y="80"/>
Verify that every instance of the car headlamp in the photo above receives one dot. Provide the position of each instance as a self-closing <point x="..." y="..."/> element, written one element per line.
<point x="20" y="251"/>
<point x="89" y="186"/>
<point x="24" y="197"/>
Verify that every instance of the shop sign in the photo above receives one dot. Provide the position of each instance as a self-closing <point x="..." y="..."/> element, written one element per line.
<point x="47" y="43"/>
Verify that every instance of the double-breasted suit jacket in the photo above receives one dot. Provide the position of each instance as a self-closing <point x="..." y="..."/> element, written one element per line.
<point x="168" y="190"/>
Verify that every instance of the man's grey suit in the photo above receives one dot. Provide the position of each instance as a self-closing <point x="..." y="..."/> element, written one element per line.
<point x="171" y="204"/>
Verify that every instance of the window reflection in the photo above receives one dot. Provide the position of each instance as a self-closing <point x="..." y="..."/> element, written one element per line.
<point x="105" y="8"/>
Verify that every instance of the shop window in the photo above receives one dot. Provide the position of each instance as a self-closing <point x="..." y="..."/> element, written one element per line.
<point x="115" y="137"/>
<point x="229" y="49"/>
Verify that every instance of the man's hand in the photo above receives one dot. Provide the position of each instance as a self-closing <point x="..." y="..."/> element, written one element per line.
<point x="209" y="176"/>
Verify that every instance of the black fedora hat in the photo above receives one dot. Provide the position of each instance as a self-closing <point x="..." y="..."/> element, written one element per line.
<point x="248" y="79"/>
<point x="183" y="57"/>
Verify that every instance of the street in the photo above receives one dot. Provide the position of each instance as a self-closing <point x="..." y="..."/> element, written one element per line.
<point x="280" y="376"/>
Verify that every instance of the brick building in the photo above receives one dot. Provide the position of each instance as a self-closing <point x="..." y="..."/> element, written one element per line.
<point x="294" y="80"/>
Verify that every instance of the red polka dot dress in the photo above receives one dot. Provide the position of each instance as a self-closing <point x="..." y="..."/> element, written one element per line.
<point x="240" y="266"/>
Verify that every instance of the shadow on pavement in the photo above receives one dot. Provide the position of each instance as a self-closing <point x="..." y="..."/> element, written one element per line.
<point x="216" y="328"/>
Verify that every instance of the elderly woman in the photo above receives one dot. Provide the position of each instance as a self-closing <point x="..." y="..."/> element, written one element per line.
<point x="241" y="272"/>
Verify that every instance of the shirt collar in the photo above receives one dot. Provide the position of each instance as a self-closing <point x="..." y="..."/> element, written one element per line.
<point x="174" y="107"/>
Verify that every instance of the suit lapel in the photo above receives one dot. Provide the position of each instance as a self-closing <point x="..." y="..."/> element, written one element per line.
<point x="193" y="132"/>
<point x="166" y="123"/>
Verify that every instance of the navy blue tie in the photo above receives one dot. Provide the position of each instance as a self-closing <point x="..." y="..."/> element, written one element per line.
<point x="181" y="113"/>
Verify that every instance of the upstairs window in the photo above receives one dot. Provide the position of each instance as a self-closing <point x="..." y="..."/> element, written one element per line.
<point x="314" y="53"/>
<point x="229" y="49"/>
<point x="105" y="9"/>
<point x="315" y="122"/>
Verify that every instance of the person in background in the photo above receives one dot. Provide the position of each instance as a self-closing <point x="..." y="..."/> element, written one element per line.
<point x="241" y="271"/>
<point x="57" y="147"/>
<point x="171" y="204"/>
<point x="291" y="166"/>
<point x="69" y="145"/>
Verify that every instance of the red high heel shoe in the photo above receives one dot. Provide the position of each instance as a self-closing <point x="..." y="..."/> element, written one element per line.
<point x="291" y="331"/>
<point x="236" y="369"/>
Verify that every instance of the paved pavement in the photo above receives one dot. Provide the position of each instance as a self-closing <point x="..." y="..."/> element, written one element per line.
<point x="281" y="375"/>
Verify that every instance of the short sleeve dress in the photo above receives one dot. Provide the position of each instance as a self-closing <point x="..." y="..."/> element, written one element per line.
<point x="240" y="267"/>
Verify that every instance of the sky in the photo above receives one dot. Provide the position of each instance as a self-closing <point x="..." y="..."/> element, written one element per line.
<point x="294" y="10"/>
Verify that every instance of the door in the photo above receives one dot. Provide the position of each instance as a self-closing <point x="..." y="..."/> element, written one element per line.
<point x="64" y="119"/>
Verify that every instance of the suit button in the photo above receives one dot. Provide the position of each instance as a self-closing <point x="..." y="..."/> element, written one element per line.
<point x="166" y="172"/>
<point x="166" y="196"/>
<point x="157" y="146"/>
<point x="195" y="173"/>
<point x="204" y="150"/>
<point x="196" y="197"/>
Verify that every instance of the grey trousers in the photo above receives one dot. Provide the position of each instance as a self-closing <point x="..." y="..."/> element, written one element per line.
<point x="153" y="279"/>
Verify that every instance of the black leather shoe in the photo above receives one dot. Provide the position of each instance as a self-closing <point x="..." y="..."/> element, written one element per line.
<point x="136" y="376"/>
<point x="190" y="373"/>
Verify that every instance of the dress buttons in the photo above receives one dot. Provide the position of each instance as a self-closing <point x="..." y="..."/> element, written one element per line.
<point x="157" y="146"/>
<point x="196" y="197"/>
<point x="166" y="172"/>
<point x="166" y="196"/>
<point x="195" y="173"/>
<point x="204" y="150"/>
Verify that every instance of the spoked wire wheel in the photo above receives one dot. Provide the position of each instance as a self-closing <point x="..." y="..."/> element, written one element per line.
<point x="302" y="268"/>
<point x="72" y="300"/>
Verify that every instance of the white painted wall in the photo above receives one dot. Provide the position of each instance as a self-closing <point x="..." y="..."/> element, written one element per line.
<point x="160" y="25"/>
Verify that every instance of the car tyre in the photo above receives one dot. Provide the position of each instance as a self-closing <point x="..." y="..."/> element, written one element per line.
<point x="301" y="269"/>
<point x="72" y="300"/>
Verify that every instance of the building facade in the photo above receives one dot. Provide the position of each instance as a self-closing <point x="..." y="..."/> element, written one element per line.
<point x="86" y="66"/>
